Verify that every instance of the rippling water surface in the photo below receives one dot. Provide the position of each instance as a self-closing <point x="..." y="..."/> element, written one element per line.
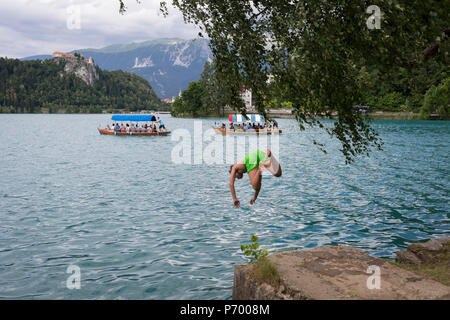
<point x="142" y="227"/>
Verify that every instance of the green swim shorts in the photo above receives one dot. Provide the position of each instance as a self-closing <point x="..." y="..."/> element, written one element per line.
<point x="252" y="159"/>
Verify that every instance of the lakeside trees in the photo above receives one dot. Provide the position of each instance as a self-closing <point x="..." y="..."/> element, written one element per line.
<point x="36" y="86"/>
<point x="437" y="100"/>
<point x="402" y="89"/>
<point x="425" y="93"/>
<point x="313" y="51"/>
<point x="203" y="97"/>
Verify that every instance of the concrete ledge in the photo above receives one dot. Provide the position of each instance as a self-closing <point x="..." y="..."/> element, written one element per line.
<point x="334" y="273"/>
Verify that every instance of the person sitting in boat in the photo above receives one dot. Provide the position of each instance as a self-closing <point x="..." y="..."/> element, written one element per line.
<point x="117" y="127"/>
<point x="231" y="126"/>
<point x="254" y="163"/>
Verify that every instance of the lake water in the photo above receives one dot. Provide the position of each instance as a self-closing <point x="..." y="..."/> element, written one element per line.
<point x="140" y="226"/>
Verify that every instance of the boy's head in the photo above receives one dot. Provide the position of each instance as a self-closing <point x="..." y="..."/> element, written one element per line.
<point x="237" y="173"/>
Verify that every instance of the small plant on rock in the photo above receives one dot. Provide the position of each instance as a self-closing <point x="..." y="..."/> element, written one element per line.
<point x="262" y="269"/>
<point x="252" y="250"/>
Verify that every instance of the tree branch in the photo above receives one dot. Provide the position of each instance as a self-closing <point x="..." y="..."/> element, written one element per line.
<point x="433" y="48"/>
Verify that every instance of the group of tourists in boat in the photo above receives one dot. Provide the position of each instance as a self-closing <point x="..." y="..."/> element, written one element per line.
<point x="253" y="123"/>
<point x="129" y="126"/>
<point x="134" y="127"/>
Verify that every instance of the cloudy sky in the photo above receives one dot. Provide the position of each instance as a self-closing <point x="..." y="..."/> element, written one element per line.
<point x="31" y="27"/>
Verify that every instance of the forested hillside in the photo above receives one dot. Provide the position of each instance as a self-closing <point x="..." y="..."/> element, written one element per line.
<point x="43" y="86"/>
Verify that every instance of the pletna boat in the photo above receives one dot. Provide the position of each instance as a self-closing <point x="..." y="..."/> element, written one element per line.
<point x="152" y="126"/>
<point x="253" y="124"/>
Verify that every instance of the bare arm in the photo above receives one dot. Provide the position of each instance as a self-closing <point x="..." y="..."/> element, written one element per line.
<point x="233" y="191"/>
<point x="258" y="187"/>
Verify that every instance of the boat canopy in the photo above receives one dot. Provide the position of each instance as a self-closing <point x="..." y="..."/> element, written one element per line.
<point x="250" y="117"/>
<point x="133" y="117"/>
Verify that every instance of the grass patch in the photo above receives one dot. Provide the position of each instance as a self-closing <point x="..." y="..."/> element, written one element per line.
<point x="265" y="271"/>
<point x="439" y="270"/>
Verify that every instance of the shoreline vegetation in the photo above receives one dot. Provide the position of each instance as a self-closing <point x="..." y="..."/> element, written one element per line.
<point x="278" y="114"/>
<point x="286" y="114"/>
<point x="423" y="97"/>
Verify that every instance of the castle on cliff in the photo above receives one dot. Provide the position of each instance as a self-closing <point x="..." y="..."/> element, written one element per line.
<point x="58" y="54"/>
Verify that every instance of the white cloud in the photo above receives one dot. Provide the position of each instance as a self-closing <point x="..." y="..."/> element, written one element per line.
<point x="41" y="27"/>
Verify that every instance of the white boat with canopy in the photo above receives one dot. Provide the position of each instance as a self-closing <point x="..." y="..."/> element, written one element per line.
<point x="249" y="124"/>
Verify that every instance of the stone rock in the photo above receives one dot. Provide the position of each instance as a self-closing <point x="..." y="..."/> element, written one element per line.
<point x="335" y="273"/>
<point x="407" y="257"/>
<point x="79" y="67"/>
<point x="424" y="253"/>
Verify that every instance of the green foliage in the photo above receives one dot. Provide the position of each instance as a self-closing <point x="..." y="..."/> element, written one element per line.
<point x="252" y="250"/>
<point x="402" y="90"/>
<point x="201" y="98"/>
<point x="263" y="269"/>
<point x="391" y="101"/>
<point x="437" y="101"/>
<point x="43" y="86"/>
<point x="190" y="101"/>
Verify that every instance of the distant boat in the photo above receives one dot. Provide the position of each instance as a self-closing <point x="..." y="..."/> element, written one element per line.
<point x="146" y="129"/>
<point x="239" y="124"/>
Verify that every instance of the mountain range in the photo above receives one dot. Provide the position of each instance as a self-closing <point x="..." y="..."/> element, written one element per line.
<point x="167" y="64"/>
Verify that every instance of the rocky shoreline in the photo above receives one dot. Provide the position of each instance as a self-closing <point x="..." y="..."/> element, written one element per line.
<point x="347" y="273"/>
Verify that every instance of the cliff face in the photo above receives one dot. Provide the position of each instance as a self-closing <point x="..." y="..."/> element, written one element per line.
<point x="81" y="68"/>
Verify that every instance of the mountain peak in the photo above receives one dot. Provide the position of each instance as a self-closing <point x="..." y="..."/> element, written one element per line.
<point x="168" y="64"/>
<point x="117" y="48"/>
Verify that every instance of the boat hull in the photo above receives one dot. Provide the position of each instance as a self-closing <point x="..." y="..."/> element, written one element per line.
<point x="242" y="131"/>
<point x="115" y="133"/>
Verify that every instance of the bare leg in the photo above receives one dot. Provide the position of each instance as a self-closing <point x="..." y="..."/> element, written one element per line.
<point x="272" y="165"/>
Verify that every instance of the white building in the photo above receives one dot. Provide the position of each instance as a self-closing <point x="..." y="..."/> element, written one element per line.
<point x="246" y="96"/>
